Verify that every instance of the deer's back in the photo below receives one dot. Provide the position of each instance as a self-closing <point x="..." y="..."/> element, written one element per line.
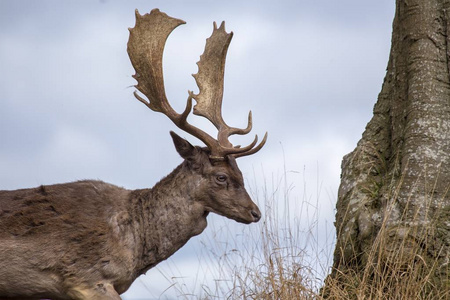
<point x="56" y="209"/>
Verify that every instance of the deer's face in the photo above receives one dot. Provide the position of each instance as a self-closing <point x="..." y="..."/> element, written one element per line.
<point x="222" y="191"/>
<point x="217" y="185"/>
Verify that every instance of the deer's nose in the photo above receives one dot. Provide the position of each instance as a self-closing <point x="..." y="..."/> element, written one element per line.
<point x="256" y="215"/>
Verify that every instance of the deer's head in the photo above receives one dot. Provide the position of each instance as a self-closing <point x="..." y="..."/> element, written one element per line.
<point x="216" y="162"/>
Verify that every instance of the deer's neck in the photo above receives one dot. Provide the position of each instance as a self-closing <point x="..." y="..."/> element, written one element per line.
<point x="169" y="216"/>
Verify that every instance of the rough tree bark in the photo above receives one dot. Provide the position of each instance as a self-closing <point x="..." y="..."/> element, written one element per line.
<point x="394" y="200"/>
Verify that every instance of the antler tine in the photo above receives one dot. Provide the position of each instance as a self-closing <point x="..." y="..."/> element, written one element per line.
<point x="239" y="149"/>
<point x="254" y="150"/>
<point x="228" y="131"/>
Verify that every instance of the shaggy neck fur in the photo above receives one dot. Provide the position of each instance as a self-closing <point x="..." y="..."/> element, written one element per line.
<point x="168" y="216"/>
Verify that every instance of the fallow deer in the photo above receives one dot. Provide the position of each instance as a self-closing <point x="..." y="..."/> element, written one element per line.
<point x="90" y="239"/>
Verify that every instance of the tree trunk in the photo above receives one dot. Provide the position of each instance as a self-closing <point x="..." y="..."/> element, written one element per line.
<point x="393" y="209"/>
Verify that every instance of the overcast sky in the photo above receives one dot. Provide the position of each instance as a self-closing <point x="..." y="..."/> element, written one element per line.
<point x="310" y="71"/>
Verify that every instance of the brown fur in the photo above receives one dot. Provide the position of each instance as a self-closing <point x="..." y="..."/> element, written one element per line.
<point x="91" y="240"/>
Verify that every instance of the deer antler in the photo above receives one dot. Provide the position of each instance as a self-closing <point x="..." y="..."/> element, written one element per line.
<point x="210" y="78"/>
<point x="145" y="49"/>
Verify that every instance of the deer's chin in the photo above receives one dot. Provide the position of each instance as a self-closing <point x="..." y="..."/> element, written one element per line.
<point x="251" y="219"/>
<point x="243" y="221"/>
<point x="238" y="219"/>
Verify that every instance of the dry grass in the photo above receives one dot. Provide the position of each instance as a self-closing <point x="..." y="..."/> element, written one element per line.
<point x="402" y="261"/>
<point x="289" y="254"/>
<point x="400" y="272"/>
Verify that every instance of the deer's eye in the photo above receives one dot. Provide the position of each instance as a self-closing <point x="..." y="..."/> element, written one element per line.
<point x="221" y="178"/>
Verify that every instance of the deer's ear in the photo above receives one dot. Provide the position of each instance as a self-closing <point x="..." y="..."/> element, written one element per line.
<point x="184" y="148"/>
